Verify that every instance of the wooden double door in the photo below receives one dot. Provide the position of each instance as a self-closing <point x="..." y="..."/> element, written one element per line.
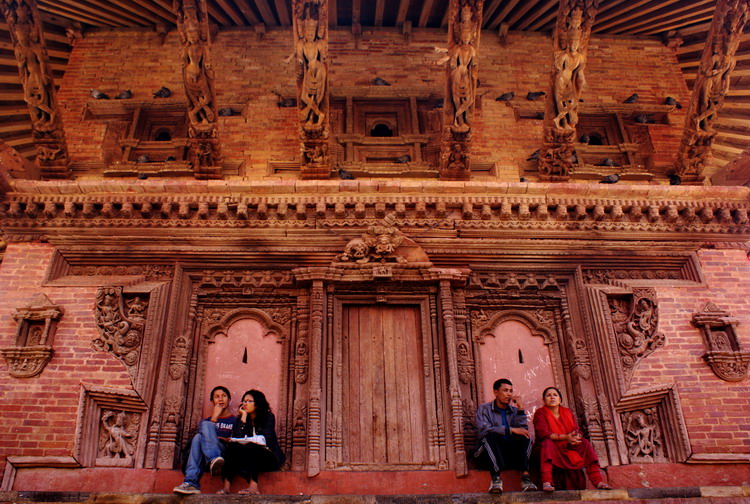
<point x="385" y="396"/>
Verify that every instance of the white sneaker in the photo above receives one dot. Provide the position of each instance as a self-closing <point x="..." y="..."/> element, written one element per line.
<point x="216" y="465"/>
<point x="186" y="489"/>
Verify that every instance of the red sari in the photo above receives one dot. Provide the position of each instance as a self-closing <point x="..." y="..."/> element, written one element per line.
<point x="559" y="454"/>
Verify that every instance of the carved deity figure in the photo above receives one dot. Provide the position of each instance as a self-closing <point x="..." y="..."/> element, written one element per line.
<point x="462" y="59"/>
<point x="642" y="435"/>
<point x="311" y="55"/>
<point x="35" y="75"/>
<point x="118" y="437"/>
<point x="569" y="80"/>
<point x="197" y="70"/>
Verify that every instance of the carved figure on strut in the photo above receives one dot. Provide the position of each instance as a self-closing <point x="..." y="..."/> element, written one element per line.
<point x="310" y="52"/>
<point x="569" y="79"/>
<point x="462" y="58"/>
<point x="198" y="73"/>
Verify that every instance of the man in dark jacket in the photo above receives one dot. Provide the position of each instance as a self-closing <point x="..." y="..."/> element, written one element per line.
<point x="503" y="431"/>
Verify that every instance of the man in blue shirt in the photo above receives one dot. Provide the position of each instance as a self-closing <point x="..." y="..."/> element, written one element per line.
<point x="207" y="446"/>
<point x="503" y="431"/>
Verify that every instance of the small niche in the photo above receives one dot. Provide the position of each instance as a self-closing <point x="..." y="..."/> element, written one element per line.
<point x="381" y="130"/>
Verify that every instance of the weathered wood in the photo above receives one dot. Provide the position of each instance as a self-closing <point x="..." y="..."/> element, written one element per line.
<point x="570" y="40"/>
<point x="39" y="91"/>
<point x="710" y="89"/>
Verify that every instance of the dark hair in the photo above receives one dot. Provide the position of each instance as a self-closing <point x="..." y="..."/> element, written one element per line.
<point x="220" y="387"/>
<point x="262" y="408"/>
<point x="499" y="383"/>
<point x="552" y="388"/>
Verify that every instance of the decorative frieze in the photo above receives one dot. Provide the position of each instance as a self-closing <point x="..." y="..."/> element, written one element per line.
<point x="35" y="333"/>
<point x="723" y="350"/>
<point x="635" y="319"/>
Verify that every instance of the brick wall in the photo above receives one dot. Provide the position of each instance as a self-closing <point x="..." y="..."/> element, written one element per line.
<point x="39" y="414"/>
<point x="716" y="411"/>
<point x="249" y="71"/>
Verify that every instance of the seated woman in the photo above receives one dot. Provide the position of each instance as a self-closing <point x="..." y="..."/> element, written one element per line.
<point x="253" y="447"/>
<point x="559" y="444"/>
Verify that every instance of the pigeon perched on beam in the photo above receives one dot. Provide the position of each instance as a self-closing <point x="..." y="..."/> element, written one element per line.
<point x="163" y="92"/>
<point x="377" y="81"/>
<point x="672" y="102"/>
<point x="608" y="162"/>
<point x="506" y="96"/>
<point x="124" y="95"/>
<point x="534" y="156"/>
<point x="675" y="179"/>
<point x="98" y="95"/>
<point x="533" y="95"/>
<point x="644" y="119"/>
<point x="403" y="159"/>
<point x="345" y="174"/>
<point x="610" y="179"/>
<point x="632" y="98"/>
<point x="228" y="112"/>
<point x="584" y="139"/>
<point x="143" y="159"/>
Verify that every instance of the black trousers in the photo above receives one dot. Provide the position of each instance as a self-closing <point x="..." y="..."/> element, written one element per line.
<point x="247" y="460"/>
<point x="497" y="453"/>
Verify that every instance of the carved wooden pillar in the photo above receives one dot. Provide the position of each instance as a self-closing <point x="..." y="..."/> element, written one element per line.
<point x="571" y="39"/>
<point x="198" y="77"/>
<point x="311" y="54"/>
<point x="464" y="28"/>
<point x="451" y="341"/>
<point x="27" y="36"/>
<point x="317" y="296"/>
<point x="711" y="86"/>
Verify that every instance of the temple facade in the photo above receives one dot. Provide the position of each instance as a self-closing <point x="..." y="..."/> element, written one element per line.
<point x="367" y="226"/>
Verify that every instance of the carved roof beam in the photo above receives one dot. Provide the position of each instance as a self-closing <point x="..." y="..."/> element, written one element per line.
<point x="464" y="29"/>
<point x="77" y="16"/>
<point x="403" y="9"/>
<point x="684" y="20"/>
<point x="39" y="91"/>
<point x="198" y="78"/>
<point x="105" y="12"/>
<point x="539" y="12"/>
<point x="266" y="13"/>
<point x="503" y="14"/>
<point x="734" y="173"/>
<point x="424" y="15"/>
<point x="570" y="44"/>
<point x="710" y="89"/>
<point x="622" y="24"/>
<point x="310" y="31"/>
<point x="247" y="11"/>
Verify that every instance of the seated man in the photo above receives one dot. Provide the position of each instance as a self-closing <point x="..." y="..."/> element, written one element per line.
<point x="504" y="436"/>
<point x="207" y="445"/>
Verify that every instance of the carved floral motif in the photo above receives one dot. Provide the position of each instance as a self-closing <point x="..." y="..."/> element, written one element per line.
<point x="636" y="321"/>
<point x="121" y="324"/>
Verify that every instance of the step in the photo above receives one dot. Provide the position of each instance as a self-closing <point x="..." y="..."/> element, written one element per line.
<point x="679" y="495"/>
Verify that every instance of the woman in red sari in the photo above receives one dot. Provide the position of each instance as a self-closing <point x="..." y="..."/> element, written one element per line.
<point x="560" y="444"/>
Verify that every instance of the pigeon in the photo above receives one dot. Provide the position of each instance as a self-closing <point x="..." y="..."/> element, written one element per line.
<point x="574" y="157"/>
<point x="170" y="158"/>
<point x="142" y="176"/>
<point x="143" y="159"/>
<point x="439" y="104"/>
<point x="608" y="162"/>
<point x="345" y="174"/>
<point x="610" y="179"/>
<point x="632" y="98"/>
<point x="584" y="139"/>
<point x="227" y="112"/>
<point x="672" y="102"/>
<point x="539" y="115"/>
<point x="98" y="95"/>
<point x="644" y="119"/>
<point x="403" y="159"/>
<point x="522" y="179"/>
<point x="534" y="156"/>
<point x="377" y="81"/>
<point x="164" y="92"/>
<point x="675" y="179"/>
<point x="506" y="96"/>
<point x="533" y="95"/>
<point x="124" y="95"/>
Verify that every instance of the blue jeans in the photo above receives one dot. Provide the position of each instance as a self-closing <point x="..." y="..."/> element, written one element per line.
<point x="204" y="447"/>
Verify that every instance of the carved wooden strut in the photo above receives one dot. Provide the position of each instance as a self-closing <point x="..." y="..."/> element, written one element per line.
<point x="27" y="36"/>
<point x="711" y="87"/>
<point x="311" y="57"/>
<point x="464" y="23"/>
<point x="198" y="78"/>
<point x="567" y="81"/>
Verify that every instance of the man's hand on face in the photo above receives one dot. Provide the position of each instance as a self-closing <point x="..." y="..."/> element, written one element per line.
<point x="216" y="413"/>
<point x="519" y="431"/>
<point x="519" y="402"/>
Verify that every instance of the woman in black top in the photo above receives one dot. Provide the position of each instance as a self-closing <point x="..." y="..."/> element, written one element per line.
<point x="259" y="449"/>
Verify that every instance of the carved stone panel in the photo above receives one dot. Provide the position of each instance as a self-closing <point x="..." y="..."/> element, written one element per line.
<point x="723" y="351"/>
<point x="118" y="436"/>
<point x="37" y="323"/>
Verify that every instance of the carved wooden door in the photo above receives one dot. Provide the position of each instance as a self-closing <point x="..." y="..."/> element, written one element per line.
<point x="384" y="418"/>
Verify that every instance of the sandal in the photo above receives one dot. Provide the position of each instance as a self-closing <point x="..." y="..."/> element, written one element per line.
<point x="547" y="487"/>
<point x="603" y="486"/>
